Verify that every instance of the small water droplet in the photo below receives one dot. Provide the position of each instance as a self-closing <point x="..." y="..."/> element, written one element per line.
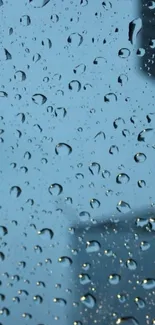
<point x="3" y="231"/>
<point x="134" y="28"/>
<point x="127" y="321"/>
<point x="55" y="189"/>
<point x="75" y="39"/>
<point x="122" y="178"/>
<point x="124" y="53"/>
<point x="140" y="157"/>
<point x="39" y="3"/>
<point x="148" y="284"/>
<point x="65" y="261"/>
<point x="114" y="279"/>
<point x="144" y="246"/>
<point x="84" y="216"/>
<point x="39" y="99"/>
<point x="94" y="168"/>
<point x="59" y="301"/>
<point x="139" y="302"/>
<point x="145" y="135"/>
<point x="131" y="264"/>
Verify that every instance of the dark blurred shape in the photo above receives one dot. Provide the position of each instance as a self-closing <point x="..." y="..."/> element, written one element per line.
<point x="146" y="61"/>
<point x="113" y="271"/>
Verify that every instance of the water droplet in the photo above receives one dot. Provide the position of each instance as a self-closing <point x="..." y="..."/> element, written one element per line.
<point x="139" y="302"/>
<point x="38" y="299"/>
<point x="123" y="79"/>
<point x="141" y="183"/>
<point x="124" y="53"/>
<point x="113" y="150"/>
<point x="3" y="231"/>
<point x="47" y="43"/>
<point x="4" y="312"/>
<point x="54" y="18"/>
<point x="79" y="69"/>
<point x="111" y="97"/>
<point x="123" y="207"/>
<point x="75" y="39"/>
<point x="84" y="278"/>
<point x="148" y="284"/>
<point x="114" y="279"/>
<point x="36" y="57"/>
<point x="83" y="3"/>
<point x="84" y="216"/>
<point x="65" y="261"/>
<point x="61" y="302"/>
<point x="151" y="5"/>
<point x="55" y="189"/>
<point x="106" y="5"/>
<point x="122" y="178"/>
<point x="74" y="85"/>
<point x="39" y="99"/>
<point x="94" y="168"/>
<point x="106" y="174"/>
<point x="63" y="149"/>
<point x="140" y="52"/>
<point x="60" y="112"/>
<point x="15" y="191"/>
<point x="140" y="157"/>
<point x="131" y="264"/>
<point x="92" y="246"/>
<point x="127" y="321"/>
<point x="121" y="298"/>
<point x="3" y="94"/>
<point x="46" y="234"/>
<point x="94" y="203"/>
<point x="119" y="122"/>
<point x="25" y="20"/>
<point x="100" y="136"/>
<point x="2" y="257"/>
<point x="145" y="135"/>
<point x="20" y="75"/>
<point x="134" y="28"/>
<point x="144" y="246"/>
<point x="88" y="300"/>
<point x="38" y="3"/>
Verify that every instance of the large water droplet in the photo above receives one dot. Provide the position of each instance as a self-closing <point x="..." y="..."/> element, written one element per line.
<point x="38" y="3"/>
<point x="94" y="203"/>
<point x="20" y="75"/>
<point x="134" y="28"/>
<point x="46" y="233"/>
<point x="15" y="191"/>
<point x="127" y="321"/>
<point x="114" y="279"/>
<point x="140" y="302"/>
<point x="88" y="300"/>
<point x="84" y="216"/>
<point x="145" y="135"/>
<point x="148" y="284"/>
<point x="55" y="189"/>
<point x="131" y="264"/>
<point x="140" y="157"/>
<point x="84" y="279"/>
<point x="75" y="39"/>
<point x="92" y="246"/>
<point x="124" y="53"/>
<point x="59" y="301"/>
<point x="123" y="207"/>
<point x="39" y="99"/>
<point x="65" y="261"/>
<point x="122" y="178"/>
<point x="94" y="168"/>
<point x="63" y="149"/>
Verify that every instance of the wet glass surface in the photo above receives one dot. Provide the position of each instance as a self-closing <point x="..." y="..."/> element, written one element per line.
<point x="77" y="143"/>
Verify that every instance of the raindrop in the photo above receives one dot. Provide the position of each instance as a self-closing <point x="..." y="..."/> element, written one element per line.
<point x="63" y="149"/>
<point x="84" y="216"/>
<point x="79" y="69"/>
<point x="124" y="53"/>
<point x="139" y="302"/>
<point x="83" y="3"/>
<point x="141" y="183"/>
<point x="2" y="257"/>
<point x="4" y="312"/>
<point x="122" y="79"/>
<point x="151" y="5"/>
<point x="36" y="57"/>
<point x="8" y="55"/>
<point x="148" y="284"/>
<point x="65" y="261"/>
<point x="94" y="168"/>
<point x="25" y="20"/>
<point x="140" y="157"/>
<point x="113" y="150"/>
<point x="39" y="99"/>
<point x="88" y="300"/>
<point x="55" y="189"/>
<point x="20" y="75"/>
<point x="140" y="52"/>
<point x="15" y="191"/>
<point x="122" y="178"/>
<point x="134" y="28"/>
<point x="47" y="43"/>
<point x="75" y="39"/>
<point x="3" y="231"/>
<point x="106" y="174"/>
<point x="118" y="122"/>
<point x="110" y="97"/>
<point x="3" y="94"/>
<point x="38" y="3"/>
<point x="54" y="18"/>
<point x="2" y="297"/>
<point x="114" y="279"/>
<point x="74" y="85"/>
<point x="131" y="264"/>
<point x="38" y="299"/>
<point x="94" y="203"/>
<point x="59" y="301"/>
<point x="145" y="135"/>
<point x="100" y="136"/>
<point x="106" y="5"/>
<point x="123" y="207"/>
<point x="84" y="279"/>
<point x="92" y="246"/>
<point x="127" y="321"/>
<point x="121" y="298"/>
<point x="60" y="112"/>
<point x="46" y="234"/>
<point x="144" y="246"/>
